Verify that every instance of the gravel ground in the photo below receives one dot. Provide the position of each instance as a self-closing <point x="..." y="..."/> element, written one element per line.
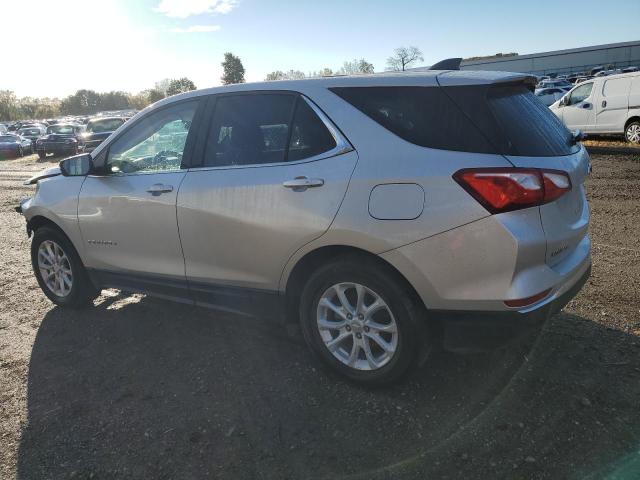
<point x="141" y="388"/>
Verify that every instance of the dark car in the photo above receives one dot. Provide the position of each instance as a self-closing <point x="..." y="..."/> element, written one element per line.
<point x="12" y="145"/>
<point x="61" y="139"/>
<point x="98" y="129"/>
<point x="33" y="133"/>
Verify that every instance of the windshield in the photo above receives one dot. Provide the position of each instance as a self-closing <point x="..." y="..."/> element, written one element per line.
<point x="106" y="125"/>
<point x="61" y="129"/>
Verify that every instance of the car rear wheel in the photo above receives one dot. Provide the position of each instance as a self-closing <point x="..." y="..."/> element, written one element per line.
<point x="20" y="152"/>
<point x="360" y="321"/>
<point x="42" y="155"/>
<point x="59" y="270"/>
<point x="632" y="132"/>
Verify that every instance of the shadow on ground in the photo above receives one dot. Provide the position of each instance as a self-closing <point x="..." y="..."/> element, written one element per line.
<point x="141" y="388"/>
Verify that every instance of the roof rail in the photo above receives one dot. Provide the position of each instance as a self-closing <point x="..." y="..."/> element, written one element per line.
<point x="447" y="64"/>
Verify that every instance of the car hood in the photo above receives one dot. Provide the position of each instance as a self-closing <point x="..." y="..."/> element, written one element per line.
<point x="47" y="173"/>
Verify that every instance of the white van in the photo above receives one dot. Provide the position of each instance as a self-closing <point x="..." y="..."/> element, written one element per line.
<point x="606" y="105"/>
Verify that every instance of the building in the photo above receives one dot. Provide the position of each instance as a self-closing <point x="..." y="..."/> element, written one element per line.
<point x="574" y="60"/>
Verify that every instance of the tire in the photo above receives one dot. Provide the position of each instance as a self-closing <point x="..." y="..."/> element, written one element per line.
<point x="42" y="155"/>
<point x="20" y="152"/>
<point x="81" y="291"/>
<point x="632" y="132"/>
<point x="351" y="273"/>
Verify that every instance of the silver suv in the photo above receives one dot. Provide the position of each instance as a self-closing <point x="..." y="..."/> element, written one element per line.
<point x="385" y="214"/>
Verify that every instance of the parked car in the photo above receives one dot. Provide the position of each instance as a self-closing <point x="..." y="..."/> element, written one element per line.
<point x="99" y="128"/>
<point x="33" y="133"/>
<point x="604" y="105"/>
<point x="630" y="69"/>
<point x="392" y="212"/>
<point x="549" y="95"/>
<point x="61" y="139"/>
<point x="3" y="128"/>
<point x="14" y="145"/>
<point x="555" y="84"/>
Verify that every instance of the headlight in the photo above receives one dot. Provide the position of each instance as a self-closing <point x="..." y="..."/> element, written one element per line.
<point x="39" y="141"/>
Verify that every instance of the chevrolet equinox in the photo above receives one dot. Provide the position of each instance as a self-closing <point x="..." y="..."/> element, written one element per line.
<point x="383" y="213"/>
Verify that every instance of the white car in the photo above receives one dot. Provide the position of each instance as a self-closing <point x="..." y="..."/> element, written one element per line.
<point x="603" y="105"/>
<point x="548" y="96"/>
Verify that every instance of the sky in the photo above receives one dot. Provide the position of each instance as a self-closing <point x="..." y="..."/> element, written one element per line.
<point x="53" y="48"/>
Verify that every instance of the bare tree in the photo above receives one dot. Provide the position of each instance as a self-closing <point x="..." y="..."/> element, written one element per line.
<point x="403" y="57"/>
<point x="356" y="67"/>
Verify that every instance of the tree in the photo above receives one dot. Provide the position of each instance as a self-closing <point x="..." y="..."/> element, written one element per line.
<point x="154" y="95"/>
<point x="180" y="85"/>
<point x="233" y="69"/>
<point x="114" y="101"/>
<point x="356" y="67"/>
<point x="280" y="75"/>
<point x="8" y="105"/>
<point x="163" y="85"/>
<point x="83" y="102"/>
<point x="403" y="57"/>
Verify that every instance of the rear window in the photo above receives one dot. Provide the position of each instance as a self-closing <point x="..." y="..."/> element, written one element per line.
<point x="507" y="120"/>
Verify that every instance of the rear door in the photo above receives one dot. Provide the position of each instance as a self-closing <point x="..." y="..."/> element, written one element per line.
<point x="273" y="175"/>
<point x="613" y="105"/>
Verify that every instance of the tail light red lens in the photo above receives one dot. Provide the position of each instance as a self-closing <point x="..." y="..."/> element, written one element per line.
<point x="505" y="189"/>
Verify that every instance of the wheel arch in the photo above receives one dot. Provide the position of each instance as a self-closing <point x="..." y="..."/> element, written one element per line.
<point x="630" y="120"/>
<point x="315" y="258"/>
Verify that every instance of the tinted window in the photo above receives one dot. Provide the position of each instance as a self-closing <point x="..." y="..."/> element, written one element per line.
<point x="506" y="120"/>
<point x="264" y="128"/>
<point x="155" y="143"/>
<point x="425" y="116"/>
<point x="309" y="136"/>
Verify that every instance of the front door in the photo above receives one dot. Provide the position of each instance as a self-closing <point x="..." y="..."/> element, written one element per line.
<point x="128" y="215"/>
<point x="579" y="112"/>
<point x="274" y="173"/>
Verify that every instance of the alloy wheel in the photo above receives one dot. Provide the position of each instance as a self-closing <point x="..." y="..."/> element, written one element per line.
<point x="633" y="133"/>
<point x="55" y="268"/>
<point x="357" y="326"/>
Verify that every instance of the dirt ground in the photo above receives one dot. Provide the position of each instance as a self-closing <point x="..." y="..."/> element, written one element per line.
<point x="141" y="388"/>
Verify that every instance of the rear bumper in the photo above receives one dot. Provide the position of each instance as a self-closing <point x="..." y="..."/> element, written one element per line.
<point x="477" y="331"/>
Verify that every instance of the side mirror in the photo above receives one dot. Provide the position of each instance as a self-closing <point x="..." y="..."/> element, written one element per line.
<point x="76" y="166"/>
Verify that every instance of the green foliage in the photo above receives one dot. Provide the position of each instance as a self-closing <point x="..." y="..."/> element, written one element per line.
<point x="233" y="69"/>
<point x="180" y="85"/>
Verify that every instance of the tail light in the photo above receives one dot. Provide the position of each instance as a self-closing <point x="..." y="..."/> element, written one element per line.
<point x="505" y="189"/>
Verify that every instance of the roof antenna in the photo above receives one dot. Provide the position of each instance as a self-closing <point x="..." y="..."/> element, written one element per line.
<point x="447" y="64"/>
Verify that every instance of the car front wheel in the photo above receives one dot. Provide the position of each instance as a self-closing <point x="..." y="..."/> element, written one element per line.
<point x="59" y="270"/>
<point x="632" y="132"/>
<point x="360" y="321"/>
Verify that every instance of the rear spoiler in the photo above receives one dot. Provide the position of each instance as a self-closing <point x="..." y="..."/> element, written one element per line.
<point x="447" y="64"/>
<point x="485" y="77"/>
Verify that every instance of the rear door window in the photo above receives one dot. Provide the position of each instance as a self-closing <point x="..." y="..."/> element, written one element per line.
<point x="264" y="128"/>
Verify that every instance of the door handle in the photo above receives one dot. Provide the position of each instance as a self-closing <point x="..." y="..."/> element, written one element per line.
<point x="586" y="106"/>
<point x="158" y="188"/>
<point x="302" y="183"/>
<point x="604" y="103"/>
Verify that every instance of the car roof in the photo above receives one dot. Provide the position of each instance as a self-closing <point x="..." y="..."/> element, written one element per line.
<point x="424" y="78"/>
